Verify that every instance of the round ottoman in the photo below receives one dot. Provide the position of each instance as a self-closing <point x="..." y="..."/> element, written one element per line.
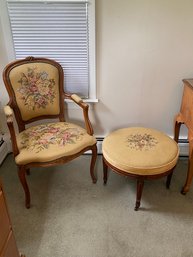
<point x="142" y="153"/>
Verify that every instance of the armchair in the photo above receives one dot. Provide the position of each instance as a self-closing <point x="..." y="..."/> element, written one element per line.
<point x="36" y="91"/>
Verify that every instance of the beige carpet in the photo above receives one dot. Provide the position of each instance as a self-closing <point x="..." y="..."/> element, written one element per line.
<point x="71" y="217"/>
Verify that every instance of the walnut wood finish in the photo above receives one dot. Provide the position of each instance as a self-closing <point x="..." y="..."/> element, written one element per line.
<point x="140" y="179"/>
<point x="23" y="169"/>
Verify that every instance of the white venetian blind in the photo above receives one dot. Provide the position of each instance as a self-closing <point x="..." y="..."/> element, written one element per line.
<point x="57" y="30"/>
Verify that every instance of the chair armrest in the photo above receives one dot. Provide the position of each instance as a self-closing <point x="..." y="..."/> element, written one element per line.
<point x="9" y="116"/>
<point x="76" y="99"/>
<point x="8" y="112"/>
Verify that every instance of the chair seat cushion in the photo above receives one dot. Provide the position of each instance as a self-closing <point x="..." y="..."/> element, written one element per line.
<point x="140" y="151"/>
<point x="48" y="142"/>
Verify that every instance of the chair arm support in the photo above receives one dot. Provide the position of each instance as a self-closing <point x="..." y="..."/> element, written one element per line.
<point x="9" y="116"/>
<point x="76" y="99"/>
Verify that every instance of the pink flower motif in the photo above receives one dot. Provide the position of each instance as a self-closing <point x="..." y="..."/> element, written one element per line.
<point x="54" y="130"/>
<point x="32" y="133"/>
<point x="41" y="101"/>
<point x="33" y="88"/>
<point x="32" y="81"/>
<point x="66" y="136"/>
<point x="43" y="141"/>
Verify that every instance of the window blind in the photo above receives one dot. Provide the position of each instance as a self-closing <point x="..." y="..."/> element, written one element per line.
<point x="54" y="29"/>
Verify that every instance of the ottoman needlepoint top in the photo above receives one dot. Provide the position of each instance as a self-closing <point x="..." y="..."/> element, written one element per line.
<point x="140" y="151"/>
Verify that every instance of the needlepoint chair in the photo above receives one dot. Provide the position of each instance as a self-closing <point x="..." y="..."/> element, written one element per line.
<point x="36" y="91"/>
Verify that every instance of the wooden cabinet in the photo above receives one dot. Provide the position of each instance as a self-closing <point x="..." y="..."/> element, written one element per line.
<point x="185" y="116"/>
<point x="8" y="247"/>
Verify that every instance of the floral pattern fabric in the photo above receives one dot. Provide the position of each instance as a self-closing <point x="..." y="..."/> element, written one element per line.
<point x="36" y="89"/>
<point x="141" y="141"/>
<point x="43" y="136"/>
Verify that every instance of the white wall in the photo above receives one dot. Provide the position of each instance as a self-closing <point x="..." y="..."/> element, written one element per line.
<point x="144" y="50"/>
<point x="3" y="62"/>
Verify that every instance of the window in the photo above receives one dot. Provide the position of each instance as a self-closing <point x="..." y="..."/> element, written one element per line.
<point x="61" y="30"/>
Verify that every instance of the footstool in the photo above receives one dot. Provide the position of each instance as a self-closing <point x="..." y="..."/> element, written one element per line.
<point x="141" y="153"/>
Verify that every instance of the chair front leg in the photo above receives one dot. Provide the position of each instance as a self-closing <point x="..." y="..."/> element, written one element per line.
<point x="22" y="177"/>
<point x="92" y="164"/>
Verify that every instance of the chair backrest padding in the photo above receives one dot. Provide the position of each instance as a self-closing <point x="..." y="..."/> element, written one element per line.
<point x="35" y="87"/>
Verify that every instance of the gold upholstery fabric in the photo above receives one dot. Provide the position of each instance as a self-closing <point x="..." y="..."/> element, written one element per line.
<point x="48" y="142"/>
<point x="36" y="89"/>
<point x="140" y="151"/>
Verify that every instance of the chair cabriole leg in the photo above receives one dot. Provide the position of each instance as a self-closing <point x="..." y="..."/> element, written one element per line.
<point x="22" y="174"/>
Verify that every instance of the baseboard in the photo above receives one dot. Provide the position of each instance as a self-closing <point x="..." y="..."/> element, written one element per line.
<point x="184" y="148"/>
<point x="5" y="148"/>
<point x="3" y="151"/>
<point x="99" y="144"/>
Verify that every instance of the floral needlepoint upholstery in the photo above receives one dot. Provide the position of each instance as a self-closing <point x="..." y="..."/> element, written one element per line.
<point x="141" y="142"/>
<point x="36" y="89"/>
<point x="139" y="151"/>
<point x="50" y="141"/>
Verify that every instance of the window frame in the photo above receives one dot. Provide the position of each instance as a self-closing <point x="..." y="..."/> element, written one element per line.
<point x="92" y="46"/>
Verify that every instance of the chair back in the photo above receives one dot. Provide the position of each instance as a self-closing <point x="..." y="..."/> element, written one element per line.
<point x="36" y="89"/>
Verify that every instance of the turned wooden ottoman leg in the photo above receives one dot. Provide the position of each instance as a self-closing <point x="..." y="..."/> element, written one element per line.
<point x="140" y="184"/>
<point x="105" y="171"/>
<point x="169" y="177"/>
<point x="168" y="181"/>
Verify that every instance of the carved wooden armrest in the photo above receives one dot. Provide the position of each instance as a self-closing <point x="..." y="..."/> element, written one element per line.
<point x="9" y="115"/>
<point x="75" y="98"/>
